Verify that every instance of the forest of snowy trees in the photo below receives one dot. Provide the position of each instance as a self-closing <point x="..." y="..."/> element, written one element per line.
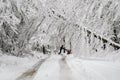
<point x="27" y="25"/>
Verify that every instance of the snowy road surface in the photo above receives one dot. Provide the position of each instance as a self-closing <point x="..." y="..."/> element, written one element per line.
<point x="70" y="68"/>
<point x="30" y="73"/>
<point x="57" y="67"/>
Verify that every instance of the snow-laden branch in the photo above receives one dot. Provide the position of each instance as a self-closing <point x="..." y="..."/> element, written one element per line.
<point x="103" y="37"/>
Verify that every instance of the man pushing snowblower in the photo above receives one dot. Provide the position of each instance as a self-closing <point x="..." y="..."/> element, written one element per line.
<point x="62" y="48"/>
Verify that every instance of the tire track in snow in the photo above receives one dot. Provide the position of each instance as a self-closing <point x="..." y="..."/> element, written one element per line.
<point x="65" y="72"/>
<point x="50" y="69"/>
<point x="30" y="73"/>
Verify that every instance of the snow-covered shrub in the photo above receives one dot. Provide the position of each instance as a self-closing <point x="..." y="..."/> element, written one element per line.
<point x="18" y="25"/>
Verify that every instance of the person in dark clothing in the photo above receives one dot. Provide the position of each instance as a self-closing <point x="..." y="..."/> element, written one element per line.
<point x="62" y="48"/>
<point x="44" y="51"/>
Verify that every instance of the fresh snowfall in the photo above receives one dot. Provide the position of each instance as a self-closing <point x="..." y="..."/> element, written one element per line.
<point x="59" y="39"/>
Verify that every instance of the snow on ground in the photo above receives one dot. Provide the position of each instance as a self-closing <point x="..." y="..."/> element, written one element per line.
<point x="49" y="70"/>
<point x="94" y="69"/>
<point x="12" y="67"/>
<point x="70" y="68"/>
<point x="58" y="67"/>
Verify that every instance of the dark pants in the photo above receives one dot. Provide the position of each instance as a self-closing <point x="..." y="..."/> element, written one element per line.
<point x="61" y="48"/>
<point x="44" y="51"/>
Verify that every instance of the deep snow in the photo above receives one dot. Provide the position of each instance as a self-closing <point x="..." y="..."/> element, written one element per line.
<point x="57" y="67"/>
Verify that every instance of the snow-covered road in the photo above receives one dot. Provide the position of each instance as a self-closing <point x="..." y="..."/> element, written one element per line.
<point x="83" y="69"/>
<point x="57" y="67"/>
<point x="30" y="73"/>
<point x="70" y="68"/>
